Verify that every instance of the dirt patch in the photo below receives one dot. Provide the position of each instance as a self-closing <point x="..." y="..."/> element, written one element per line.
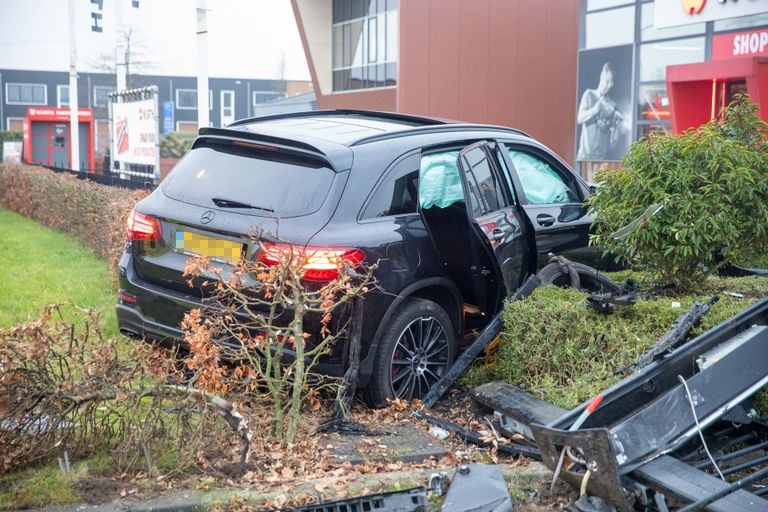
<point x="96" y="491"/>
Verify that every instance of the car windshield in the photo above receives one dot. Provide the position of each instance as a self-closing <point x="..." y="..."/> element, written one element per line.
<point x="255" y="182"/>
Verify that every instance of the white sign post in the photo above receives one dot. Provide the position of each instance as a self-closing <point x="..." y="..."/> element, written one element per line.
<point x="135" y="133"/>
<point x="74" y="123"/>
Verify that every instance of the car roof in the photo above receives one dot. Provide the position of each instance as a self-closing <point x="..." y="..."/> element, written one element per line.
<point x="353" y="127"/>
<point x="331" y="134"/>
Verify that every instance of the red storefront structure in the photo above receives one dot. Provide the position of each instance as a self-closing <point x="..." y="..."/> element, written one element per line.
<point x="699" y="92"/>
<point x="47" y="137"/>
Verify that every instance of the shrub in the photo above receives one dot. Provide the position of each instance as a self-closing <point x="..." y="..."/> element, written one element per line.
<point x="94" y="214"/>
<point x="176" y="144"/>
<point x="557" y="348"/>
<point x="274" y="357"/>
<point x="713" y="185"/>
<point x="65" y="387"/>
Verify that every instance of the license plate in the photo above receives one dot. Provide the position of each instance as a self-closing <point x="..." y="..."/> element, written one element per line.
<point x="219" y="249"/>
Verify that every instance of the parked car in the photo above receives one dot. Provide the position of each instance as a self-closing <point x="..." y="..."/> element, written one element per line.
<point x="455" y="214"/>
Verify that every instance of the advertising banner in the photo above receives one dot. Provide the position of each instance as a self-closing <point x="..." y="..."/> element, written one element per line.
<point x="134" y="139"/>
<point x="671" y="13"/>
<point x="751" y="43"/>
<point x="604" y="115"/>
<point x="12" y="150"/>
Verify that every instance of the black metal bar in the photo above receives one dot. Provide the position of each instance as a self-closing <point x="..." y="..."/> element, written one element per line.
<point x="735" y="486"/>
<point x="474" y="438"/>
<point x="732" y="455"/>
<point x="745" y="465"/>
<point x="488" y="334"/>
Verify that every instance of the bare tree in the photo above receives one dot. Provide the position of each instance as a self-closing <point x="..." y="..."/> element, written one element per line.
<point x="136" y="56"/>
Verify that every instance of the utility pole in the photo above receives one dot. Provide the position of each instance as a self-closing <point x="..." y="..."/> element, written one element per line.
<point x="120" y="48"/>
<point x="203" y="116"/>
<point x="74" y="123"/>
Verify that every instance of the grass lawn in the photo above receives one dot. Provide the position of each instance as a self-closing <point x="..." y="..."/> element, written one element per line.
<point x="39" y="266"/>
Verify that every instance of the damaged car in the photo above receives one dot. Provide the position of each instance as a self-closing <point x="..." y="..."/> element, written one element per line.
<point x="454" y="215"/>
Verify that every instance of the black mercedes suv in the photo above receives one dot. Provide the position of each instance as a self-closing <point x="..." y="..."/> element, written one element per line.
<point x="455" y="214"/>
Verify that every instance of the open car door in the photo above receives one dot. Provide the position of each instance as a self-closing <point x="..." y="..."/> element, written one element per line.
<point x="472" y="217"/>
<point x="551" y="198"/>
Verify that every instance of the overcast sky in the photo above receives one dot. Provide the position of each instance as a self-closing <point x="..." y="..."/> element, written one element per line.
<point x="246" y="39"/>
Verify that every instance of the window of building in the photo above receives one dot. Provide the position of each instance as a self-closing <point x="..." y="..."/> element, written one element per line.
<point x="649" y="33"/>
<point x="653" y="103"/>
<point x="610" y="28"/>
<point x="365" y="50"/>
<point x="186" y="99"/>
<point x="14" y="124"/>
<point x="655" y="57"/>
<point x="262" y="96"/>
<point x="101" y="95"/>
<point x="62" y="95"/>
<point x="26" y="94"/>
<point x="756" y="20"/>
<point x="186" y="126"/>
<point x="101" y="136"/>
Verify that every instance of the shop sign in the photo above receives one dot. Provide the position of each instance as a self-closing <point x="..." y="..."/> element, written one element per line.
<point x="135" y="132"/>
<point x="740" y="44"/>
<point x="672" y="13"/>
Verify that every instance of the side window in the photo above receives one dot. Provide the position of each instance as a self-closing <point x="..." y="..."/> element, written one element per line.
<point x="485" y="191"/>
<point x="505" y="170"/>
<point x="396" y="195"/>
<point x="439" y="181"/>
<point x="541" y="183"/>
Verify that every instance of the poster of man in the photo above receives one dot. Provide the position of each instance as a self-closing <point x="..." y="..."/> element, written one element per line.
<point x="604" y="115"/>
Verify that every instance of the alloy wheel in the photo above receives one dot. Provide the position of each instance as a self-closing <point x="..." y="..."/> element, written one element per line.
<point x="420" y="358"/>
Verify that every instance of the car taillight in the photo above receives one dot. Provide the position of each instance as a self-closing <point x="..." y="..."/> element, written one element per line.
<point x="318" y="263"/>
<point x="142" y="227"/>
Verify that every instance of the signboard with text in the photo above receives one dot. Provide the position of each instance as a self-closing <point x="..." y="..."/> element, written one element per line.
<point x="134" y="121"/>
<point x="134" y="136"/>
<point x="751" y="43"/>
<point x="671" y="13"/>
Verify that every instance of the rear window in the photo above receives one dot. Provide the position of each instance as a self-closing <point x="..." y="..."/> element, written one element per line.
<point x="276" y="184"/>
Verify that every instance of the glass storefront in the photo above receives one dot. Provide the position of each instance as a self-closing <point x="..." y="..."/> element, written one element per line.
<point x="611" y="26"/>
<point x="365" y="34"/>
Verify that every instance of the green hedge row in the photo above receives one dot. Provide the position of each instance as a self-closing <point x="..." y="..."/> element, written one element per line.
<point x="564" y="352"/>
<point x="92" y="213"/>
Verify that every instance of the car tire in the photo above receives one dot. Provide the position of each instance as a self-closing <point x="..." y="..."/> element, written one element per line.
<point x="590" y="279"/>
<point x="415" y="351"/>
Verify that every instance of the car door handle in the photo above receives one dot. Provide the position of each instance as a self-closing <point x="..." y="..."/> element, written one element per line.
<point x="545" y="220"/>
<point x="496" y="235"/>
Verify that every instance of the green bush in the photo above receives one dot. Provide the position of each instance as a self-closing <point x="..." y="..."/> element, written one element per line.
<point x="713" y="185"/>
<point x="176" y="144"/>
<point x="557" y="348"/>
<point x="94" y="214"/>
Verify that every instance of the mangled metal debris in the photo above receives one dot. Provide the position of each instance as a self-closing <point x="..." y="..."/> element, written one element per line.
<point x="658" y="434"/>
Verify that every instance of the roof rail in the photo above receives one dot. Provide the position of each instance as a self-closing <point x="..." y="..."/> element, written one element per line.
<point x="438" y="129"/>
<point x="371" y="114"/>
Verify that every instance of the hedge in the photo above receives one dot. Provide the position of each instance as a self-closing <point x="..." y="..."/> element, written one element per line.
<point x="557" y="348"/>
<point x="92" y="213"/>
